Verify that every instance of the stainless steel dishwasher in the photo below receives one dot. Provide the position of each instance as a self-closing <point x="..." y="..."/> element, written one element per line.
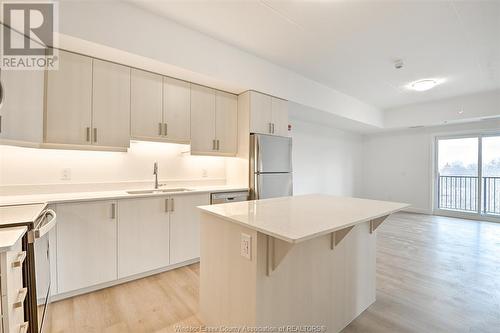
<point x="226" y="197"/>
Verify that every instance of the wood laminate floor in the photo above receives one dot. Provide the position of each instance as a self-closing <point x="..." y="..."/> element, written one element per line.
<point x="434" y="274"/>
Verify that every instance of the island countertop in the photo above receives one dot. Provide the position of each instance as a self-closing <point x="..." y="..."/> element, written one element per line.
<point x="299" y="218"/>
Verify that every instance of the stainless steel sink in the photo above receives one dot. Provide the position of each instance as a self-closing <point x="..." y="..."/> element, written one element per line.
<point x="165" y="190"/>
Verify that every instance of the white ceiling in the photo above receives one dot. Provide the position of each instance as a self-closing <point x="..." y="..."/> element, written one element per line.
<point x="351" y="45"/>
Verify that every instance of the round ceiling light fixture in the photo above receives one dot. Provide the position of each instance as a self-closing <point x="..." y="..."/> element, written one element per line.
<point x="424" y="85"/>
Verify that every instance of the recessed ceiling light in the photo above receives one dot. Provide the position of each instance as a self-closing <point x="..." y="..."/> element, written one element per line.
<point x="424" y="85"/>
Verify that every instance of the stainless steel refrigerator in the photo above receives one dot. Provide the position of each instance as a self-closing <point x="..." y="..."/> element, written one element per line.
<point x="270" y="166"/>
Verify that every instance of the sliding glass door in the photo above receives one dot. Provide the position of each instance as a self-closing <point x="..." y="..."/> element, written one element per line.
<point x="468" y="174"/>
<point x="491" y="175"/>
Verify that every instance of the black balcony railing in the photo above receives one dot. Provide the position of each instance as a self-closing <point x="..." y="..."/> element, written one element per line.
<point x="461" y="193"/>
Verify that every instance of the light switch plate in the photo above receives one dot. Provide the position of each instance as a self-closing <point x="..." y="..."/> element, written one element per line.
<point x="246" y="246"/>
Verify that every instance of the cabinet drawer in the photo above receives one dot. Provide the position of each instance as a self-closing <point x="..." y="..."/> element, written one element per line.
<point x="13" y="291"/>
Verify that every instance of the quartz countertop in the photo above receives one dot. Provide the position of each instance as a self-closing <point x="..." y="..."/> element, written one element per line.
<point x="104" y="195"/>
<point x="10" y="236"/>
<point x="19" y="214"/>
<point x="299" y="218"/>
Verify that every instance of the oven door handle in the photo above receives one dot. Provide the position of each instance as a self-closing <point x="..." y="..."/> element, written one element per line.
<point x="44" y="227"/>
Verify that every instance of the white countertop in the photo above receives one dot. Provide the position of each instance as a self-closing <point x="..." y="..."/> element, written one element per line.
<point x="20" y="213"/>
<point x="10" y="236"/>
<point x="299" y="218"/>
<point x="104" y="195"/>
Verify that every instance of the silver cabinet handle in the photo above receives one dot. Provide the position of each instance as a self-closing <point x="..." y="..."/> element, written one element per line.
<point x="270" y="128"/>
<point x="113" y="210"/>
<point x="218" y="144"/>
<point x="213" y="144"/>
<point x="165" y="129"/>
<point x="19" y="260"/>
<point x="0" y="122"/>
<point x="88" y="134"/>
<point x="273" y="128"/>
<point x="167" y="208"/>
<point x="172" y="208"/>
<point x="95" y="134"/>
<point x="160" y="129"/>
<point x="21" y="295"/>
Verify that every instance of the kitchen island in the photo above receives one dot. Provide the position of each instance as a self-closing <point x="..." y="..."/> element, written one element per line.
<point x="306" y="261"/>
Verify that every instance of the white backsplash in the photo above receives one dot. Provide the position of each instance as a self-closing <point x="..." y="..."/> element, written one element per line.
<point x="29" y="170"/>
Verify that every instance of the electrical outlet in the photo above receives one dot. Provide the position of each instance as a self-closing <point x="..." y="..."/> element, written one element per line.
<point x="66" y="174"/>
<point x="246" y="246"/>
<point x="204" y="173"/>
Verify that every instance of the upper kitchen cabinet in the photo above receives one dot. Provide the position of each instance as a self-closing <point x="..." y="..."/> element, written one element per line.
<point x="214" y="124"/>
<point x="226" y="122"/>
<point x="110" y="104"/>
<point x="88" y="104"/>
<point x="176" y="110"/>
<point x="21" y="103"/>
<point x="268" y="114"/>
<point x="146" y="105"/>
<point x="69" y="101"/>
<point x="202" y="120"/>
<point x="160" y="108"/>
<point x="21" y="110"/>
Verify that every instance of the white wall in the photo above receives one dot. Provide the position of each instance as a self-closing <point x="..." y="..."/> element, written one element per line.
<point x="326" y="160"/>
<point x="120" y="25"/>
<point x="450" y="110"/>
<point x="398" y="165"/>
<point x="20" y="166"/>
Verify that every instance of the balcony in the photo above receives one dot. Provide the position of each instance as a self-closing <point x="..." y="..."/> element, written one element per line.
<point x="461" y="193"/>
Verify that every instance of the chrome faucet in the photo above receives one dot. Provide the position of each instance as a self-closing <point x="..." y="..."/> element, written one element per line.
<point x="155" y="172"/>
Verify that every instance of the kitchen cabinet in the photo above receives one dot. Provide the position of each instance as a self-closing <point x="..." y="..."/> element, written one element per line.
<point x="202" y="119"/>
<point x="160" y="108"/>
<point x="279" y="116"/>
<point x="110" y="104"/>
<point x="226" y="122"/>
<point x="213" y="122"/>
<point x="88" y="103"/>
<point x="143" y="235"/>
<point x="268" y="114"/>
<point x="176" y="110"/>
<point x="21" y="110"/>
<point x="146" y="105"/>
<point x="86" y="244"/>
<point x="185" y="226"/>
<point x="69" y="100"/>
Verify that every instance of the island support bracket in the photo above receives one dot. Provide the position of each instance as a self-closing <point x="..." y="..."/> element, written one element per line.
<point x="375" y="223"/>
<point x="276" y="250"/>
<point x="337" y="236"/>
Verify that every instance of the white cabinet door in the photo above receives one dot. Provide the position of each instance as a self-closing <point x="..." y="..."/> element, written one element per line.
<point x="260" y="113"/>
<point x="143" y="235"/>
<point x="279" y="116"/>
<point x="22" y="109"/>
<point x="111" y="104"/>
<point x="69" y="100"/>
<point x="146" y="105"/>
<point x="226" y="123"/>
<point x="86" y="244"/>
<point x="185" y="227"/>
<point x="202" y="119"/>
<point x="176" y="109"/>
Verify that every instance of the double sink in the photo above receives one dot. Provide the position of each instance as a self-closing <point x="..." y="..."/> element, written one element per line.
<point x="166" y="190"/>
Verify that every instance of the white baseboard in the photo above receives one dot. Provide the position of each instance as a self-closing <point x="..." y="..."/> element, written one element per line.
<point x="58" y="297"/>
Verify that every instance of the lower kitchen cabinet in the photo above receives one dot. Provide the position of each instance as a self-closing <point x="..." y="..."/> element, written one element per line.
<point x="103" y="241"/>
<point x="86" y="244"/>
<point x="185" y="227"/>
<point x="143" y="235"/>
